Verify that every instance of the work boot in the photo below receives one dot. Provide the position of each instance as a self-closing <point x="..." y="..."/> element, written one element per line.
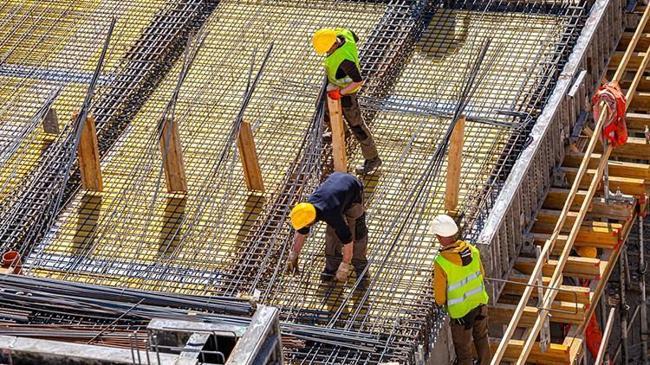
<point x="369" y="166"/>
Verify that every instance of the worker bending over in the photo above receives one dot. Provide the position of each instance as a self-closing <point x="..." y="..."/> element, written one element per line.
<point x="344" y="75"/>
<point x="458" y="285"/>
<point x="338" y="202"/>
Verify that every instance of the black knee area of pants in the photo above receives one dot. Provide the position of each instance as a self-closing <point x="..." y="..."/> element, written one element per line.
<point x="360" y="228"/>
<point x="346" y="101"/>
<point x="359" y="133"/>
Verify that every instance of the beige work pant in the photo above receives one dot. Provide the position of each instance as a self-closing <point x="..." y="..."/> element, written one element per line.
<point x="462" y="337"/>
<point x="356" y="219"/>
<point x="361" y="132"/>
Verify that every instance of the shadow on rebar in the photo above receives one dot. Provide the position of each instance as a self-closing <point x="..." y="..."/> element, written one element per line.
<point x="87" y="218"/>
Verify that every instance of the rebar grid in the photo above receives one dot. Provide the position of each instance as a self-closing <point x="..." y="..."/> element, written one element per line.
<point x="416" y="60"/>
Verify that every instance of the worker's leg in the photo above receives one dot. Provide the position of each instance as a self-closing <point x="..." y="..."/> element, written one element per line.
<point x="333" y="255"/>
<point x="480" y="334"/>
<point x="462" y="338"/>
<point x="352" y="115"/>
<point x="357" y="223"/>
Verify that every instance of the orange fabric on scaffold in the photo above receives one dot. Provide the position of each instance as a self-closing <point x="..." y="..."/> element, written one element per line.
<point x="614" y="129"/>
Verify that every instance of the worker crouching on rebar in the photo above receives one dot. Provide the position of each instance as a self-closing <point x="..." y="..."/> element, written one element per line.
<point x="343" y="71"/>
<point x="339" y="202"/>
<point x="458" y="285"/>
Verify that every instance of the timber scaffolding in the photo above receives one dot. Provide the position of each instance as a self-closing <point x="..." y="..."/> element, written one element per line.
<point x="416" y="56"/>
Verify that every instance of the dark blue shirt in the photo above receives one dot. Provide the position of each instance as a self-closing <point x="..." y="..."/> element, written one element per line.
<point x="332" y="199"/>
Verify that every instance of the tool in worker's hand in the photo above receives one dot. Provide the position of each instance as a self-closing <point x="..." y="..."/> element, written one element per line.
<point x="292" y="263"/>
<point x="343" y="272"/>
<point x="334" y="94"/>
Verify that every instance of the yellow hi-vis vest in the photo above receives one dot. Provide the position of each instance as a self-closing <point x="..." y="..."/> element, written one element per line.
<point x="348" y="51"/>
<point x="465" y="288"/>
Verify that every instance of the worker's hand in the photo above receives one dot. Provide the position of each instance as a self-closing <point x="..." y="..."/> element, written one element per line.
<point x="292" y="263"/>
<point x="343" y="272"/>
<point x="334" y="94"/>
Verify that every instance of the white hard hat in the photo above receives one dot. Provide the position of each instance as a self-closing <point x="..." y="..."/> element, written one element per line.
<point x="444" y="225"/>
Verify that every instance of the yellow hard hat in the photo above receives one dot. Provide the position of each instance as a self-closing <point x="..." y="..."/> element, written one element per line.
<point x="302" y="215"/>
<point x="587" y="251"/>
<point x="323" y="40"/>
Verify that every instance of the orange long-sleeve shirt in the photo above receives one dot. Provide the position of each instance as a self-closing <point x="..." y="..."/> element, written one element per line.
<point x="453" y="254"/>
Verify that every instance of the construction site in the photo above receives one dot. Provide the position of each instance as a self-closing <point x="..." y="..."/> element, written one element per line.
<point x="151" y="152"/>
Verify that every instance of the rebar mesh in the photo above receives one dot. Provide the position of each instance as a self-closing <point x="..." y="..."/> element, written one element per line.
<point x="221" y="239"/>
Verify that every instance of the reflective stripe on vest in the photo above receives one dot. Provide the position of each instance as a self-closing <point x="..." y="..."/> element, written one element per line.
<point x="465" y="288"/>
<point x="348" y="51"/>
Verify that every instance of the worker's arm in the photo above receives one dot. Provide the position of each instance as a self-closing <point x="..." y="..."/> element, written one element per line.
<point x="353" y="85"/>
<point x="351" y="69"/>
<point x="439" y="285"/>
<point x="298" y="242"/>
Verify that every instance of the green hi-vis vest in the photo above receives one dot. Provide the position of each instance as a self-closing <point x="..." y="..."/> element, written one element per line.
<point x="348" y="51"/>
<point x="465" y="288"/>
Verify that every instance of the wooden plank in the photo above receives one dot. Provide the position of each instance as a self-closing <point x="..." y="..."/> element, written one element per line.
<point x="562" y="312"/>
<point x="338" y="135"/>
<point x="454" y="161"/>
<point x="248" y="156"/>
<point x="172" y="156"/>
<point x="575" y="267"/>
<point x="635" y="59"/>
<point x="88" y="156"/>
<point x="556" y="354"/>
<point x="540" y="238"/>
<point x="597" y="209"/>
<point x="569" y="293"/>
<point x="637" y="121"/>
<point x="636" y="148"/>
<point x="627" y="185"/>
<point x="616" y="168"/>
<point x="626" y="37"/>
<point x="589" y="231"/>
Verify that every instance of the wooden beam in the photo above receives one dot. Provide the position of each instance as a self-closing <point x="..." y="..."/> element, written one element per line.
<point x="454" y="162"/>
<point x="569" y="293"/>
<point x="248" y="156"/>
<point x="589" y="231"/>
<point x="172" y="156"/>
<point x="616" y="168"/>
<point x="636" y="148"/>
<point x="338" y="135"/>
<point x="627" y="185"/>
<point x="597" y="209"/>
<point x="88" y="155"/>
<point x="575" y="267"/>
<point x="608" y="243"/>
<point x="626" y="37"/>
<point x="556" y="354"/>
<point x="637" y="121"/>
<point x="563" y="312"/>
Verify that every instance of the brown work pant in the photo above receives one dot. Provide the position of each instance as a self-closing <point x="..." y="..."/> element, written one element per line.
<point x="356" y="219"/>
<point x="462" y="337"/>
<point x="353" y="117"/>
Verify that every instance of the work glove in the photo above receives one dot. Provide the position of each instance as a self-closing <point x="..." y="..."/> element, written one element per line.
<point x="334" y="94"/>
<point x="292" y="263"/>
<point x="343" y="272"/>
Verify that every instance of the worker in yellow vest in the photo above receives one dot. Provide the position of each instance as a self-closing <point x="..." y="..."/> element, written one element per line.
<point x="458" y="285"/>
<point x="343" y="71"/>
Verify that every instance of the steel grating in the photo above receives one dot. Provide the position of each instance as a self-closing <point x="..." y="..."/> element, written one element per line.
<point x="221" y="240"/>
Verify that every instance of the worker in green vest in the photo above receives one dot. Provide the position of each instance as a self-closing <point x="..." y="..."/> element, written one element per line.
<point x="343" y="71"/>
<point x="458" y="286"/>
